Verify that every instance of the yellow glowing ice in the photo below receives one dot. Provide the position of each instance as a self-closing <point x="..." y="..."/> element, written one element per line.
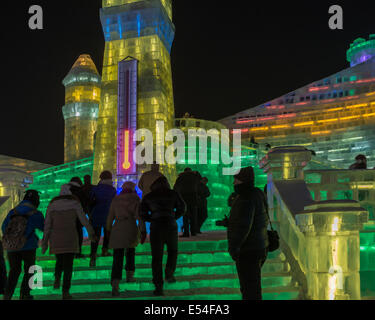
<point x="155" y="93"/>
<point x="82" y="97"/>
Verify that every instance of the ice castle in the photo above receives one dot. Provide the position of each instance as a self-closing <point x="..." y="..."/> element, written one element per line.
<point x="327" y="236"/>
<point x="334" y="116"/>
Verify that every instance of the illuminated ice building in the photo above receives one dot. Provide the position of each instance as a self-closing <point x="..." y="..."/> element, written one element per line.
<point x="82" y="97"/>
<point x="334" y="116"/>
<point x="143" y="32"/>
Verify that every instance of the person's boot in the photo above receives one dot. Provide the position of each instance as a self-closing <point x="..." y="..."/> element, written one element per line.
<point x="56" y="285"/>
<point x="26" y="297"/>
<point x="130" y="277"/>
<point x="6" y="297"/>
<point x="115" y="288"/>
<point x="105" y="252"/>
<point x="66" y="295"/>
<point x="93" y="261"/>
<point x="170" y="279"/>
<point x="158" y="292"/>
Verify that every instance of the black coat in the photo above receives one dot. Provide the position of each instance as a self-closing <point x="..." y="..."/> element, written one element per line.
<point x="187" y="185"/>
<point x="162" y="204"/>
<point x="81" y="195"/>
<point x="203" y="194"/>
<point x="248" y="221"/>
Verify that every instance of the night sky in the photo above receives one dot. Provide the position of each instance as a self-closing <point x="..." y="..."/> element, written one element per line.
<point x="227" y="57"/>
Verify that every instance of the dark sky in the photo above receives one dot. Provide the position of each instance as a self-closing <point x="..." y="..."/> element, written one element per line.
<point x="227" y="57"/>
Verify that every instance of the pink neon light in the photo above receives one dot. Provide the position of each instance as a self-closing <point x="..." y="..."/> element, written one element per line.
<point x="365" y="80"/>
<point x="255" y="120"/>
<point x="313" y="89"/>
<point x="292" y="115"/>
<point x="265" y="119"/>
<point x="276" y="107"/>
<point x="244" y="121"/>
<point x="301" y="103"/>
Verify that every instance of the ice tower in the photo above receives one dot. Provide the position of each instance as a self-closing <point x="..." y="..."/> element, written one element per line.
<point x="82" y="97"/>
<point x="142" y="29"/>
<point x="361" y="50"/>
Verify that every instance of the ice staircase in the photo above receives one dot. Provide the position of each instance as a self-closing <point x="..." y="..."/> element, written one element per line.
<point x="205" y="271"/>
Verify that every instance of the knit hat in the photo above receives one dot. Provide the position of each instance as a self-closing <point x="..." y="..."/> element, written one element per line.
<point x="106" y="175"/>
<point x="129" y="186"/>
<point x="246" y="175"/>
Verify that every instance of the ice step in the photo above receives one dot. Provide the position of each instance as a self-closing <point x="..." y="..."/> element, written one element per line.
<point x="144" y="271"/>
<point x="183" y="283"/>
<point x="273" y="265"/>
<point x="277" y="293"/>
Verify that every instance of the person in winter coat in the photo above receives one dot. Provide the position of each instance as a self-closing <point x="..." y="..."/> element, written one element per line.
<point x="247" y="233"/>
<point x="60" y="235"/>
<point x="162" y="207"/>
<point x="3" y="271"/>
<point x="102" y="196"/>
<point x="27" y="254"/>
<point x="124" y="233"/>
<point x="360" y="163"/>
<point x="87" y="189"/>
<point x="187" y="186"/>
<point x="148" y="178"/>
<point x="203" y="194"/>
<point x="76" y="187"/>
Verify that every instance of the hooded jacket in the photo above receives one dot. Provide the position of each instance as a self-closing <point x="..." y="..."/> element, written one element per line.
<point x="34" y="222"/>
<point x="248" y="221"/>
<point x="60" y="232"/>
<point x="147" y="179"/>
<point x="124" y="212"/>
<point x="162" y="204"/>
<point x="102" y="196"/>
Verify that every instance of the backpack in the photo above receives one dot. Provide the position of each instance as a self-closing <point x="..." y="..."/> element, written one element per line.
<point x="14" y="238"/>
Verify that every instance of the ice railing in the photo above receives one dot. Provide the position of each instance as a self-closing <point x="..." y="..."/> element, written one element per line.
<point x="320" y="239"/>
<point x="292" y="240"/>
<point x="358" y="185"/>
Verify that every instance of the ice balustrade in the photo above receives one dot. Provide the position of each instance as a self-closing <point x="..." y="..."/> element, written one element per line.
<point x="320" y="239"/>
<point x="358" y="185"/>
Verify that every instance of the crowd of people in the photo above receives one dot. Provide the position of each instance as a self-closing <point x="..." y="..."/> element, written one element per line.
<point x="121" y="219"/>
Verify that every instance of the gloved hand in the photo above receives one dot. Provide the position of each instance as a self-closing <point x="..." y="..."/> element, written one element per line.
<point x="143" y="237"/>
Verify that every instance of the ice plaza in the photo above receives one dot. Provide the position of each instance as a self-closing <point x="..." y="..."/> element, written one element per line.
<point x="300" y="145"/>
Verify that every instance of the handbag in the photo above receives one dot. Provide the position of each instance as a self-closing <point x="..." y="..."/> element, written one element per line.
<point x="273" y="235"/>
